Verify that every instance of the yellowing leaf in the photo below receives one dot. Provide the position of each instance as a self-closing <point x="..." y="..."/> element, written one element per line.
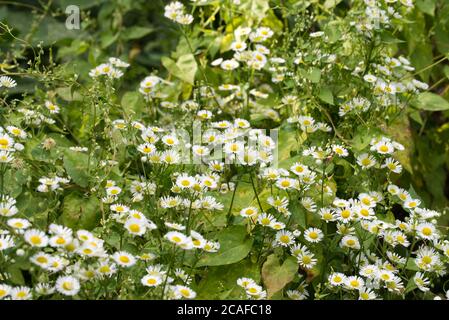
<point x="276" y="276"/>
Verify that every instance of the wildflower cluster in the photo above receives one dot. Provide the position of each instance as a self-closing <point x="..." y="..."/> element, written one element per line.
<point x="266" y="149"/>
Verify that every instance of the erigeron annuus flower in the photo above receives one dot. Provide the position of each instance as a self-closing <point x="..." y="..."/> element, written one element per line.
<point x="265" y="219"/>
<point x="421" y="281"/>
<point x="350" y="242"/>
<point x="395" y="258"/>
<point x="4" y="291"/>
<point x="340" y="151"/>
<point x="284" y="238"/>
<point x="67" y="285"/>
<point x="426" y="231"/>
<point x="147" y="148"/>
<point x="249" y="212"/>
<point x="308" y="204"/>
<point x="366" y="160"/>
<point x="17" y="132"/>
<point x="6" y="242"/>
<point x="151" y="280"/>
<point x="20" y="293"/>
<point x="184" y="292"/>
<point x="426" y="258"/>
<point x="53" y="108"/>
<point x="176" y="237"/>
<point x="6" y="142"/>
<point x="136" y="227"/>
<point x="7" y="82"/>
<point x="124" y="259"/>
<point x="41" y="259"/>
<point x="234" y="148"/>
<point x="354" y="282"/>
<point x="185" y="182"/>
<point x="299" y="169"/>
<point x="229" y="64"/>
<point x="366" y="294"/>
<point x="286" y="183"/>
<point x="327" y="214"/>
<point x="392" y="165"/>
<point x="313" y="235"/>
<point x="8" y="209"/>
<point x="306" y="259"/>
<point x="36" y="238"/>
<point x="44" y="289"/>
<point x="364" y="212"/>
<point x="367" y="200"/>
<point x="6" y="157"/>
<point x="337" y="279"/>
<point x="344" y="214"/>
<point x="246" y="282"/>
<point x="369" y="271"/>
<point x="411" y="203"/>
<point x="385" y="275"/>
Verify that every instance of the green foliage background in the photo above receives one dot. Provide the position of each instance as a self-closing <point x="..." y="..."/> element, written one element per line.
<point x="137" y="31"/>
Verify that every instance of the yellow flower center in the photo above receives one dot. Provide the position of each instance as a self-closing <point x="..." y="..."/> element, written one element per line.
<point x="41" y="259"/>
<point x="67" y="285"/>
<point x="350" y="242"/>
<point x="354" y="283"/>
<point x="134" y="227"/>
<point x="366" y="162"/>
<point x="285" y="183"/>
<point x="427" y="231"/>
<point x="345" y="214"/>
<point x="313" y="235"/>
<point x="185" y="292"/>
<point x="104" y="269"/>
<point x="306" y="259"/>
<point x="427" y="260"/>
<point x="36" y="240"/>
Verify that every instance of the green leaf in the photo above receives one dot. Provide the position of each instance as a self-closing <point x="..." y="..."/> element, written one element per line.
<point x="220" y="282"/>
<point x="75" y="163"/>
<point x="15" y="274"/>
<point x="314" y="75"/>
<point x="329" y="4"/>
<point x="136" y="32"/>
<point x="411" y="285"/>
<point x="446" y="71"/>
<point x="276" y="276"/>
<point x="326" y="95"/>
<point x="299" y="214"/>
<point x="107" y="39"/>
<point x="185" y="68"/>
<point x="68" y="94"/>
<point x="256" y="8"/>
<point x="426" y="6"/>
<point x="80" y="212"/>
<point x="133" y="101"/>
<point x="235" y="244"/>
<point x="411" y="265"/>
<point x="431" y="102"/>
